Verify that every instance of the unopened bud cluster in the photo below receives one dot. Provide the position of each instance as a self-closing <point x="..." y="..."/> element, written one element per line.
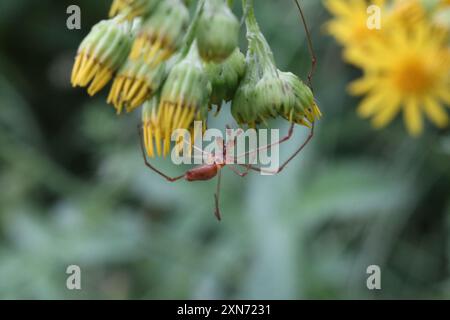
<point x="177" y="66"/>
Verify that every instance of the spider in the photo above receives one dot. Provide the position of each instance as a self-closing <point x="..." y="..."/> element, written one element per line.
<point x="216" y="162"/>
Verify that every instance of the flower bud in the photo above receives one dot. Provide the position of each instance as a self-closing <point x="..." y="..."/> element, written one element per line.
<point x="260" y="92"/>
<point x="257" y="99"/>
<point x="225" y="77"/>
<point x="132" y="8"/>
<point x="269" y="95"/>
<point x="298" y="104"/>
<point x="101" y="53"/>
<point x="266" y="92"/>
<point x="184" y="96"/>
<point x="217" y="32"/>
<point x="135" y="82"/>
<point x="162" y="33"/>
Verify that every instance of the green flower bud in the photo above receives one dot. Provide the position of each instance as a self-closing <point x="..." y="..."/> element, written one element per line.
<point x="270" y="95"/>
<point x="298" y="104"/>
<point x="162" y="33"/>
<point x="184" y="96"/>
<point x="132" y="8"/>
<point x="225" y="77"/>
<point x="267" y="92"/>
<point x="218" y="31"/>
<point x="101" y="53"/>
<point x="135" y="82"/>
<point x="260" y="93"/>
<point x="257" y="99"/>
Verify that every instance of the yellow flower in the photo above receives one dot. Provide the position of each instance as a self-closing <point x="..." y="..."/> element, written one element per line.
<point x="349" y="25"/>
<point x="151" y="129"/>
<point x="101" y="53"/>
<point x="184" y="99"/>
<point x="135" y="82"/>
<point x="409" y="71"/>
<point x="157" y="135"/>
<point x="162" y="33"/>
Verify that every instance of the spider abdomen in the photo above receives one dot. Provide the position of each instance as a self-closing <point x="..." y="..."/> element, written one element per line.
<point x="202" y="173"/>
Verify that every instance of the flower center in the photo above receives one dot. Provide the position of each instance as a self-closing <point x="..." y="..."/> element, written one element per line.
<point x="412" y="76"/>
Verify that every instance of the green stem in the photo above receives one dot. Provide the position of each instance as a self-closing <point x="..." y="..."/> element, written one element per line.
<point x="250" y="19"/>
<point x="190" y="35"/>
<point x="258" y="44"/>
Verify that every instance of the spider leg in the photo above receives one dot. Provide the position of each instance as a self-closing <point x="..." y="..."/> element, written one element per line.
<point x="217" y="197"/>
<point x="302" y="146"/>
<point x="310" y="45"/>
<point x="267" y="147"/>
<point x="239" y="173"/>
<point x="150" y="166"/>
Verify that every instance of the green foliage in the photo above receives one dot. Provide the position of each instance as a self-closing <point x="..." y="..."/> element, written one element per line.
<point x="75" y="190"/>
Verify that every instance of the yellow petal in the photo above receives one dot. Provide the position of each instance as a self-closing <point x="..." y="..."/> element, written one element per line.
<point x="338" y="7"/>
<point x="356" y="56"/>
<point x="444" y="94"/>
<point x="413" y="118"/>
<point x="362" y="86"/>
<point x="370" y="105"/>
<point x="436" y="113"/>
<point x="390" y="109"/>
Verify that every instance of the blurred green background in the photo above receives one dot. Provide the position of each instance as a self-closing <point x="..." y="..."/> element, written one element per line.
<point x="74" y="189"/>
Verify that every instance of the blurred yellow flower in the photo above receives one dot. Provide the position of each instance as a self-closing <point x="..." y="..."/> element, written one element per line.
<point x="406" y="64"/>
<point x="408" y="12"/>
<point x="410" y="70"/>
<point x="349" y="25"/>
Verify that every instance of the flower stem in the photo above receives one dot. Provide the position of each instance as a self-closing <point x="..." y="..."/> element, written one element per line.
<point x="192" y="30"/>
<point x="258" y="44"/>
